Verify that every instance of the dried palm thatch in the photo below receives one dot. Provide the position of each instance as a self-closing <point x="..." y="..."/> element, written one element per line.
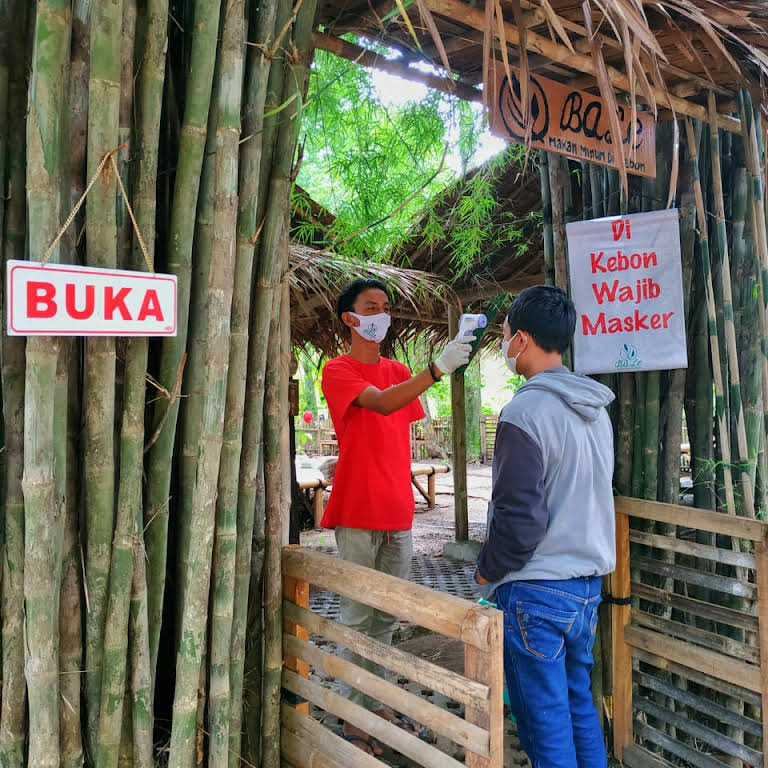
<point x="665" y="54"/>
<point x="420" y="301"/>
<point x="482" y="258"/>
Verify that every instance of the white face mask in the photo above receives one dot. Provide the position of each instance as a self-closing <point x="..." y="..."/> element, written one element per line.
<point x="373" y="327"/>
<point x="510" y="361"/>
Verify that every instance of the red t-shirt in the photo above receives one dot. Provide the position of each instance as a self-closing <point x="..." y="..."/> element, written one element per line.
<point x="372" y="483"/>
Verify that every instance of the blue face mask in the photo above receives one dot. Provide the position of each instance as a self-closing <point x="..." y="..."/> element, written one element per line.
<point x="373" y="327"/>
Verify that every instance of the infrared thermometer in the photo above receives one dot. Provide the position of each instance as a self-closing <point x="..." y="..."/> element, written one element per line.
<point x="471" y="328"/>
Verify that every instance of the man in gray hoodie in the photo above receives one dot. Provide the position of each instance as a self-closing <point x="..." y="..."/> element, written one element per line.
<point x="551" y="534"/>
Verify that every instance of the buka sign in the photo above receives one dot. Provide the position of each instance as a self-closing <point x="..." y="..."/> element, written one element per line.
<point x="68" y="300"/>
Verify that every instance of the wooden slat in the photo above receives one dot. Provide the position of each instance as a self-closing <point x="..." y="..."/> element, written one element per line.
<point x="296" y="591"/>
<point x="381" y="729"/>
<point x="671" y="544"/>
<point x="437" y="611"/>
<point x="437" y="719"/>
<point x="702" y="732"/>
<point x="637" y="757"/>
<point x="699" y="703"/>
<point x="692" y="756"/>
<point x="703" y="520"/>
<point x="715" y="642"/>
<point x="307" y="743"/>
<point x="488" y="667"/>
<point x="696" y="607"/>
<point x="622" y="655"/>
<point x="698" y="677"/>
<point x="432" y="676"/>
<point x="693" y="576"/>
<point x="761" y="557"/>
<point x="687" y="655"/>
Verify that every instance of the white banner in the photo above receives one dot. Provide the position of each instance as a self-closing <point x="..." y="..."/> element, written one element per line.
<point x="67" y="300"/>
<point x="627" y="285"/>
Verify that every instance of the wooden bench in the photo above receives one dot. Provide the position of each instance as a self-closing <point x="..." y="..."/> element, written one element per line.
<point x="417" y="470"/>
<point x="430" y="470"/>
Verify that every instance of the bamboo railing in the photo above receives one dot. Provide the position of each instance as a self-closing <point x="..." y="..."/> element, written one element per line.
<point x="690" y="663"/>
<point x="305" y="741"/>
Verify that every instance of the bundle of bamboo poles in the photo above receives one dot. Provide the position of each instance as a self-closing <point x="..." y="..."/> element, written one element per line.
<point x="143" y="480"/>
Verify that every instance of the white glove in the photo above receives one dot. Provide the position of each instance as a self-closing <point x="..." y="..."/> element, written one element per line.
<point x="455" y="354"/>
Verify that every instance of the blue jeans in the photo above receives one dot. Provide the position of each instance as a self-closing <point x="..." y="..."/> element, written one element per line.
<point x="549" y="631"/>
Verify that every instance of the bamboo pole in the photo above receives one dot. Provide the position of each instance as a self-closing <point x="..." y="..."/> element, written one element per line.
<point x="225" y="220"/>
<point x="273" y="620"/>
<point x="723" y="434"/>
<point x="546" y="207"/>
<point x="42" y="516"/>
<point x="99" y="382"/>
<point x="459" y="438"/>
<point x="195" y="369"/>
<point x="70" y="619"/>
<point x="746" y="273"/>
<point x="242" y="426"/>
<point x="758" y="223"/>
<point x="78" y="106"/>
<point x="669" y="481"/>
<point x="153" y="25"/>
<point x="181" y="235"/>
<point x="140" y="684"/>
<point x="13" y="701"/>
<point x="125" y="127"/>
<point x="219" y="300"/>
<point x="730" y="329"/>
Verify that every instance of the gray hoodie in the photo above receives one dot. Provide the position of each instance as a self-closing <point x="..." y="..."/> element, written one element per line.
<point x="551" y="514"/>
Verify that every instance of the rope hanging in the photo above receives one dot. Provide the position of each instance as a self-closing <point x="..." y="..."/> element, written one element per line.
<point x="109" y="157"/>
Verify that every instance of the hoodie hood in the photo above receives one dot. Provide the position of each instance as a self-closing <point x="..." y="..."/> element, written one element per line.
<point x="584" y="395"/>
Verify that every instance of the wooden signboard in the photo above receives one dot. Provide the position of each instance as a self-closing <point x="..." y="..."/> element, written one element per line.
<point x="572" y="123"/>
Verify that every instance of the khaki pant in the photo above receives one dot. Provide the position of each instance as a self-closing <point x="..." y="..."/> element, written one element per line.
<point x="386" y="551"/>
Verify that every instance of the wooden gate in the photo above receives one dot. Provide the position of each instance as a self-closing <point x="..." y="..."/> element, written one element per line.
<point x="690" y="655"/>
<point x="307" y="742"/>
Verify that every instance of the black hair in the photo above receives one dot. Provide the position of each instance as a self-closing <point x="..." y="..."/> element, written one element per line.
<point x="346" y="302"/>
<point x="547" y="314"/>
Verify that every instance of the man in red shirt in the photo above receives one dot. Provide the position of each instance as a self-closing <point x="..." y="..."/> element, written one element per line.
<point x="372" y="401"/>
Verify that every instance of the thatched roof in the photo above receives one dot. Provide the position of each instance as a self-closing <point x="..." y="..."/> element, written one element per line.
<point x="503" y="266"/>
<point x="420" y="300"/>
<point x="666" y="53"/>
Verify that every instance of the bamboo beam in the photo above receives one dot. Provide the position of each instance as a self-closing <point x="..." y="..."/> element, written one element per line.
<point x="366" y="58"/>
<point x="441" y="613"/>
<point x="488" y="667"/>
<point x="762" y="616"/>
<point x="459" y="437"/>
<point x="475" y="18"/>
<point x="297" y="591"/>
<point x="431" y="676"/>
<point x="621" y="652"/>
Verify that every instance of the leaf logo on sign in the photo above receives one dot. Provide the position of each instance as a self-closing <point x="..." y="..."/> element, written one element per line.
<point x="628" y="357"/>
<point x="512" y="112"/>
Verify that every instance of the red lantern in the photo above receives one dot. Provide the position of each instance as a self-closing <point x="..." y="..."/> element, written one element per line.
<point x="308" y="417"/>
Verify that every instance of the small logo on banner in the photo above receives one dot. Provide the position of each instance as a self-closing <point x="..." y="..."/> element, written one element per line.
<point x="628" y="357"/>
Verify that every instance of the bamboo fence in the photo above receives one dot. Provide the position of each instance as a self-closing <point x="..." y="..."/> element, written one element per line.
<point x="134" y="525"/>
